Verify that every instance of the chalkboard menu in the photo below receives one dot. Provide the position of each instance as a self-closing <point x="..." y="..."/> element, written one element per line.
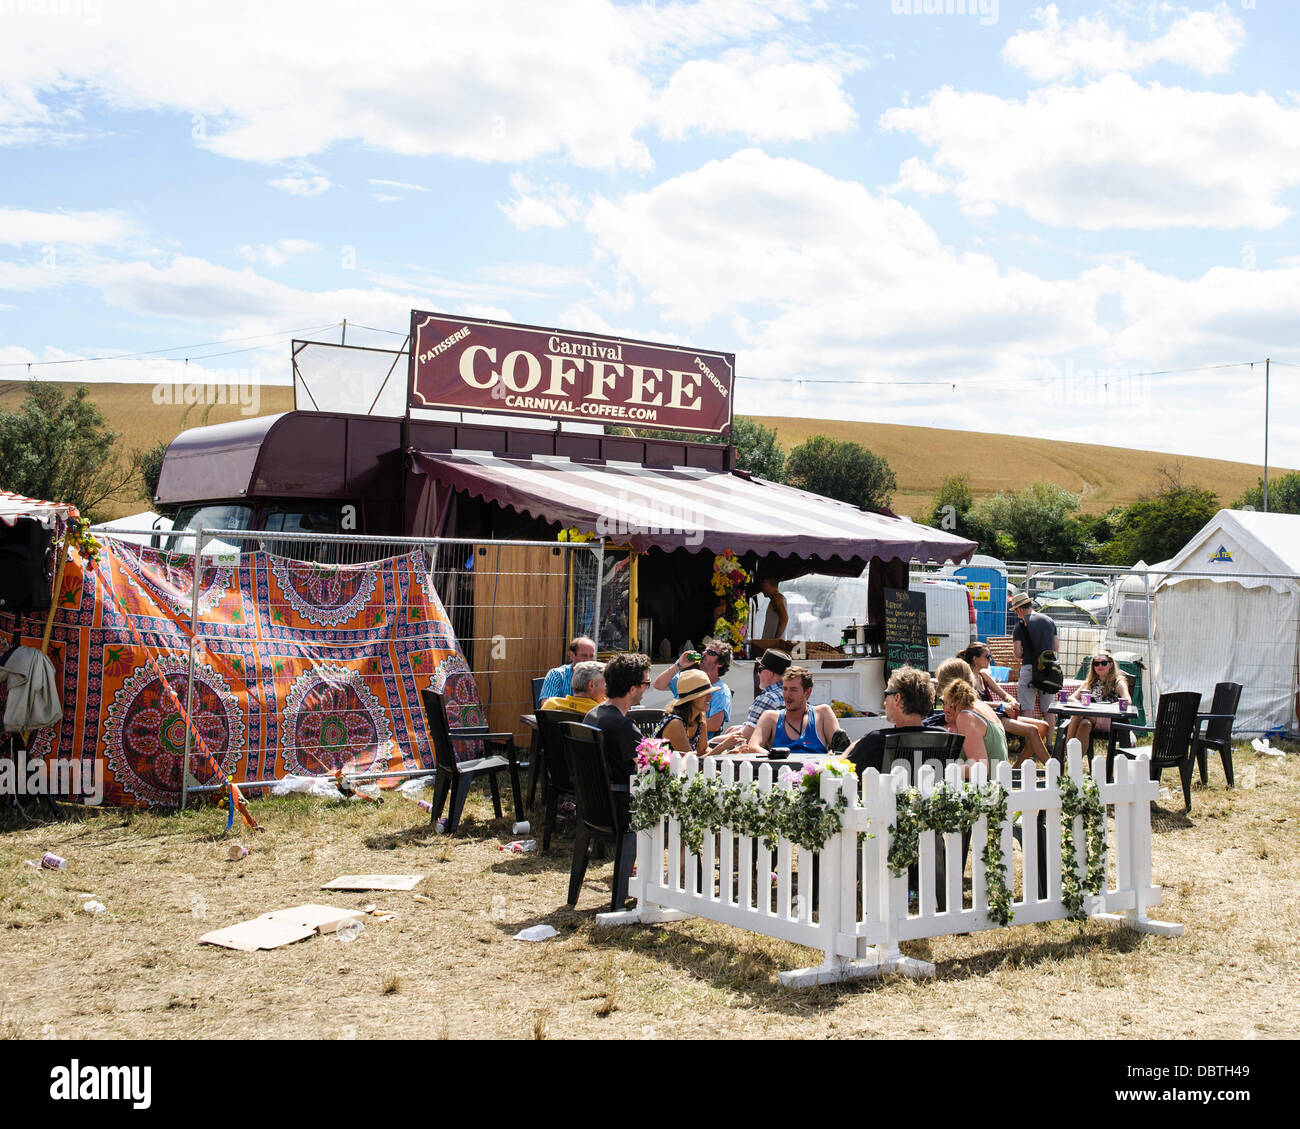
<point x="905" y="634"/>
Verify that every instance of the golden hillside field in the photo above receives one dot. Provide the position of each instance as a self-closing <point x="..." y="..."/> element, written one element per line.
<point x="920" y="456"/>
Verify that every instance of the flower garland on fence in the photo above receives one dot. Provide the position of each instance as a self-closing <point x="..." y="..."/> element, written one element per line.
<point x="729" y="580"/>
<point x="574" y="535"/>
<point x="950" y="810"/>
<point x="707" y="803"/>
<point x="1086" y="802"/>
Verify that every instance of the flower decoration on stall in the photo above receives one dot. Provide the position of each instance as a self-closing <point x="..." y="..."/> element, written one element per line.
<point x="652" y="755"/>
<point x="575" y="535"/>
<point x="729" y="580"/>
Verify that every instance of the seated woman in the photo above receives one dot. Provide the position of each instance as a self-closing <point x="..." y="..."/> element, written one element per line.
<point x="1034" y="730"/>
<point x="975" y="721"/>
<point x="1106" y="684"/>
<point x="684" y="727"/>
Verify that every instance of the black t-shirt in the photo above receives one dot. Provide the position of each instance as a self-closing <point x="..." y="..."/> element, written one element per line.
<point x="621" y="739"/>
<point x="1035" y="635"/>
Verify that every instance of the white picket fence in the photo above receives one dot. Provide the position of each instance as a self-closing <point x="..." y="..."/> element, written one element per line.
<point x="862" y="911"/>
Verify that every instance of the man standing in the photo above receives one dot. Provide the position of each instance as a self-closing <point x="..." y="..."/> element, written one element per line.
<point x="771" y="667"/>
<point x="627" y="678"/>
<point x="1034" y="634"/>
<point x="559" y="679"/>
<point x="797" y="726"/>
<point x="715" y="662"/>
<point x="588" y="690"/>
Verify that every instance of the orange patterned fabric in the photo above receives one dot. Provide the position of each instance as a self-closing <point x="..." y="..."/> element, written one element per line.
<point x="300" y="668"/>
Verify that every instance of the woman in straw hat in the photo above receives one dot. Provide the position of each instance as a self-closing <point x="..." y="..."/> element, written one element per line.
<point x="684" y="727"/>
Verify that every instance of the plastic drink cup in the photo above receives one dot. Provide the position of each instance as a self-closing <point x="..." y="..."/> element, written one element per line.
<point x="237" y="851"/>
<point x="51" y="861"/>
<point x="1085" y="698"/>
<point x="1063" y="696"/>
<point x="1123" y="705"/>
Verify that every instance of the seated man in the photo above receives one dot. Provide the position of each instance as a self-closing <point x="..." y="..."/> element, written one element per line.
<point x="715" y="662"/>
<point x="798" y="726"/>
<point x="909" y="699"/>
<point x="559" y="679"/>
<point x="588" y="690"/>
<point x="627" y="678"/>
<point x="771" y="667"/>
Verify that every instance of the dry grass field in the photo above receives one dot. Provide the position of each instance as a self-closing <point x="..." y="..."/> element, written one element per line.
<point x="1230" y="873"/>
<point x="1106" y="476"/>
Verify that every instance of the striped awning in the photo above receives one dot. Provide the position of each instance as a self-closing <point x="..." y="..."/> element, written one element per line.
<point x="49" y="514"/>
<point x="686" y="507"/>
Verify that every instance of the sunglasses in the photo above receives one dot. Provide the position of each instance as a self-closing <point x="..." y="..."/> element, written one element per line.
<point x="892" y="693"/>
<point x="1101" y="662"/>
<point x="645" y="683"/>
<point x="713" y="653"/>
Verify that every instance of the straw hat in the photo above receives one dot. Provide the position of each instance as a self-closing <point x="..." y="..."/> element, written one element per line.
<point x="1020" y="599"/>
<point x="691" y="684"/>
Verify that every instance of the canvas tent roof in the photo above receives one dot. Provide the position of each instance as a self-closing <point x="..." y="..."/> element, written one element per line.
<point x="1234" y="544"/>
<point x="688" y="507"/>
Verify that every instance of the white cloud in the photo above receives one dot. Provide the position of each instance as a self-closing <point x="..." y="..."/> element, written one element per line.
<point x="297" y="185"/>
<point x="820" y="279"/>
<point x="1201" y="41"/>
<point x="278" y="253"/>
<point x="78" y="229"/>
<point x="1113" y="154"/>
<point x="398" y="184"/>
<point x="914" y="175"/>
<point x="537" y="205"/>
<point x="766" y="95"/>
<point x="498" y="80"/>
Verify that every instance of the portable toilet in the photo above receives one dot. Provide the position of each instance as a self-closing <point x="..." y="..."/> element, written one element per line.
<point x="988" y="592"/>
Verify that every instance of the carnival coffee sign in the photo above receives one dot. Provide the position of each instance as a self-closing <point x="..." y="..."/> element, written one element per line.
<point x="464" y="364"/>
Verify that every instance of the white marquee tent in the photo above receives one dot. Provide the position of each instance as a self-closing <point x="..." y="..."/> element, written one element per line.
<point x="1228" y="610"/>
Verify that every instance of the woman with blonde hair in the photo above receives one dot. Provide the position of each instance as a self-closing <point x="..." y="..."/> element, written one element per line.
<point x="976" y="722"/>
<point x="1034" y="730"/>
<point x="1106" y="684"/>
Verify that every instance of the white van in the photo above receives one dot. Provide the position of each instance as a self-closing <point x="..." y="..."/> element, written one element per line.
<point x="821" y="607"/>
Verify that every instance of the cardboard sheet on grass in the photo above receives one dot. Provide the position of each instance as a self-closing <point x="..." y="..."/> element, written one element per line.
<point x="281" y="927"/>
<point x="303" y="668"/>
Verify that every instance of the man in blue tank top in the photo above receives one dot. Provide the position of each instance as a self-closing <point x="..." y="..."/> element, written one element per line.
<point x="799" y="726"/>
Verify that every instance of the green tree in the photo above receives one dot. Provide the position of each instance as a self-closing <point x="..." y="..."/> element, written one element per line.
<point x="1283" y="495"/>
<point x="1158" y="524"/>
<point x="842" y="470"/>
<point x="56" y="445"/>
<point x="1035" y="524"/>
<point x="148" y="464"/>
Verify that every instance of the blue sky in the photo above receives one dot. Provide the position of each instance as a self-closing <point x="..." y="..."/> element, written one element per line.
<point x="954" y="213"/>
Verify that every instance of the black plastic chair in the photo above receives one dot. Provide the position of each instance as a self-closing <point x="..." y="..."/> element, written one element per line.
<point x="1171" y="743"/>
<point x="920" y="747"/>
<point x="1217" y="734"/>
<point x="646" y="719"/>
<point x="538" y="683"/>
<point x="454" y="774"/>
<point x="602" y="814"/>
<point x="557" y="781"/>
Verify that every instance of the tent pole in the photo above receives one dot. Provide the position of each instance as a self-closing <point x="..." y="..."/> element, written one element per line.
<point x="1266" y="367"/>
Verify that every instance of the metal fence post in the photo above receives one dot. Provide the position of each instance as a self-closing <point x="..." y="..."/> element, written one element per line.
<point x="600" y="580"/>
<point x="189" y="676"/>
<point x="1149" y="699"/>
